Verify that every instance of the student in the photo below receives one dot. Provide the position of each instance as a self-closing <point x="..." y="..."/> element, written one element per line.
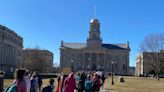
<point x="88" y="84"/>
<point x="52" y="84"/>
<point x="34" y="84"/>
<point x="39" y="79"/>
<point x="19" y="84"/>
<point x="50" y="87"/>
<point x="79" y="82"/>
<point x="96" y="83"/>
<point x="70" y="83"/>
<point x="60" y="81"/>
<point x="27" y="80"/>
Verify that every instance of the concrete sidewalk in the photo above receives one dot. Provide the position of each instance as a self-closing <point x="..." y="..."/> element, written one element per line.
<point x="104" y="90"/>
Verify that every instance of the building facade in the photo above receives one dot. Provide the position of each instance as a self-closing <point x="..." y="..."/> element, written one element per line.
<point x="146" y="62"/>
<point x="38" y="60"/>
<point x="132" y="71"/>
<point x="11" y="46"/>
<point x="95" y="55"/>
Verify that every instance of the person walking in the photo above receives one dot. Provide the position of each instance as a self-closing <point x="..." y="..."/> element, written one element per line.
<point x="96" y="83"/>
<point x="39" y="79"/>
<point x="69" y="83"/>
<point x="79" y="82"/>
<point x="88" y="84"/>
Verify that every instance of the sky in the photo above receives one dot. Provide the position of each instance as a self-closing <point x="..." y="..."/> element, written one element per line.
<point x="44" y="23"/>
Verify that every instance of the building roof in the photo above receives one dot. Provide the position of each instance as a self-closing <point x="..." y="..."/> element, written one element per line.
<point x="115" y="46"/>
<point x="10" y="31"/>
<point x="108" y="46"/>
<point x="74" y="45"/>
<point x="37" y="50"/>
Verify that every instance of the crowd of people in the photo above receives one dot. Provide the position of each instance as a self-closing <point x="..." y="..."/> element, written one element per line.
<point x="79" y="82"/>
<point x="25" y="82"/>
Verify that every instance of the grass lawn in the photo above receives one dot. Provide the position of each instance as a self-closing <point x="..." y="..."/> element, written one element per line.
<point x="132" y="84"/>
<point x="135" y="84"/>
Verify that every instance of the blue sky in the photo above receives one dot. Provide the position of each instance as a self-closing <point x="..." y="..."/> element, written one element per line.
<point x="45" y="23"/>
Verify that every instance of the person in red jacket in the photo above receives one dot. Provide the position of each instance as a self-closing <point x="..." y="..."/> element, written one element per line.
<point x="70" y="83"/>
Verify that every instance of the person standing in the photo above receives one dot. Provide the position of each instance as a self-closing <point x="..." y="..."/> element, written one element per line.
<point x="19" y="84"/>
<point x="34" y="84"/>
<point x="39" y="79"/>
<point x="50" y="87"/>
<point x="27" y="80"/>
<point x="60" y="80"/>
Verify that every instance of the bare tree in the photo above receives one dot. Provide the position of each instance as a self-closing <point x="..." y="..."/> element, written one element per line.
<point x="153" y="44"/>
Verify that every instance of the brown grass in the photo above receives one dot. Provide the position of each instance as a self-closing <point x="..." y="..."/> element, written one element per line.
<point x="135" y="84"/>
<point x="132" y="84"/>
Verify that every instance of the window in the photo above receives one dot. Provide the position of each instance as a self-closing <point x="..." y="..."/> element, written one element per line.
<point x="87" y="57"/>
<point x="93" y="57"/>
<point x="116" y="66"/>
<point x="94" y="28"/>
<point x="124" y="67"/>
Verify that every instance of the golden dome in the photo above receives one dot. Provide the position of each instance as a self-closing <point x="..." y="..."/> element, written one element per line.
<point x="94" y="21"/>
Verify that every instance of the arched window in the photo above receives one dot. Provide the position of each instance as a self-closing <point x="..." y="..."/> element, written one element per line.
<point x="94" y="28"/>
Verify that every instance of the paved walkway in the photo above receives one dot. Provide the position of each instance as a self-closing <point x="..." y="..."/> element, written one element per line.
<point x="104" y="90"/>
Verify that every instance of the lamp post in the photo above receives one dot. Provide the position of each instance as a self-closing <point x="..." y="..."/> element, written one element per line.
<point x="102" y="68"/>
<point x="112" y="72"/>
<point x="89" y="59"/>
<point x="88" y="67"/>
<point x="99" y="67"/>
<point x="72" y="64"/>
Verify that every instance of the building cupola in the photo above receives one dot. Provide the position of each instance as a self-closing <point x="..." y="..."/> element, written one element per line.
<point x="94" y="34"/>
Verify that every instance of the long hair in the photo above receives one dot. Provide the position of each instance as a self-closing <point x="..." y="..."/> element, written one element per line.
<point x="19" y="73"/>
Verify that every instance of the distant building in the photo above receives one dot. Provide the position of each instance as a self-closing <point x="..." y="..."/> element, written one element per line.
<point x="38" y="60"/>
<point x="144" y="62"/>
<point x="11" y="46"/>
<point x="94" y="55"/>
<point x="132" y="71"/>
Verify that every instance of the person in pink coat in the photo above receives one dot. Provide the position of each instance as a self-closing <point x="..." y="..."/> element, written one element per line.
<point x="70" y="83"/>
<point x="19" y="80"/>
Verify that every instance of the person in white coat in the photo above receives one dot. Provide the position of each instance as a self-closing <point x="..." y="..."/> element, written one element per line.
<point x="27" y="81"/>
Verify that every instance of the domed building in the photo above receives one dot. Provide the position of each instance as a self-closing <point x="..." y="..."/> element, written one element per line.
<point x="95" y="55"/>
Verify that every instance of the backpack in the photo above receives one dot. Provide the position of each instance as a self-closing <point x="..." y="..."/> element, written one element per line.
<point x="79" y="83"/>
<point x="88" y="84"/>
<point x="47" y="89"/>
<point x="11" y="88"/>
